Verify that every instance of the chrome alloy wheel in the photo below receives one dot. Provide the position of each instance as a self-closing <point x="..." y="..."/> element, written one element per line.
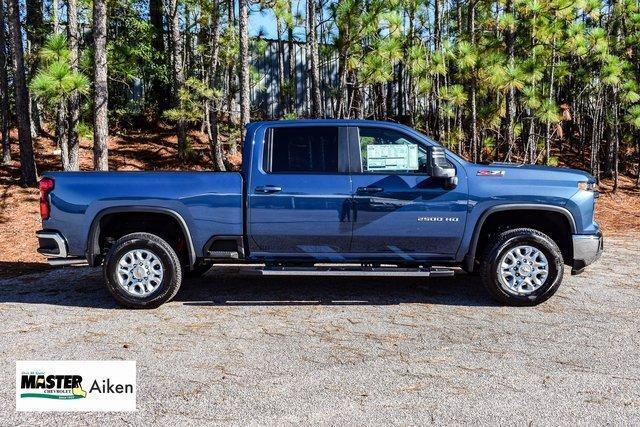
<point x="140" y="272"/>
<point x="523" y="270"/>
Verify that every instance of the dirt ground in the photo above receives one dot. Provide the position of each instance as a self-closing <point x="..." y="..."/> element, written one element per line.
<point x="246" y="350"/>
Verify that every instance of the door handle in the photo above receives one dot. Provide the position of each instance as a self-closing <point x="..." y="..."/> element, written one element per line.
<point x="370" y="189"/>
<point x="268" y="189"/>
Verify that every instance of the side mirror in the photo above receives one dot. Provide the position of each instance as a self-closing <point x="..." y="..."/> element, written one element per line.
<point x="439" y="167"/>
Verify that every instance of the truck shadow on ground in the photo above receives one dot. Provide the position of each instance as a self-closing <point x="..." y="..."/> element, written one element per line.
<point x="462" y="290"/>
<point x="84" y="287"/>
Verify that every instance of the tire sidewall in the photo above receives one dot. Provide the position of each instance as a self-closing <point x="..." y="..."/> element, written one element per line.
<point x="550" y="251"/>
<point x="169" y="279"/>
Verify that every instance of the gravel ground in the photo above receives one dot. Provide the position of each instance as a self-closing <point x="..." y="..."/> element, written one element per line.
<point x="246" y="350"/>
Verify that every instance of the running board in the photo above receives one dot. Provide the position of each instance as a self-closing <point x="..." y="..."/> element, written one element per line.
<point x="351" y="271"/>
<point x="67" y="261"/>
<point x="223" y="254"/>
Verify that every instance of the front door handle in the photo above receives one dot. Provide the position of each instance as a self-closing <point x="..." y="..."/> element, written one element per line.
<point x="268" y="189"/>
<point x="370" y="189"/>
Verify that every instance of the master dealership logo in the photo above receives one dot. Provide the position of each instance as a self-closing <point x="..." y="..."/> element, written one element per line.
<point x="76" y="385"/>
<point x="51" y="386"/>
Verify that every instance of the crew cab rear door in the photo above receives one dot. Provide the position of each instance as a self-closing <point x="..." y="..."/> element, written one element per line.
<point x="299" y="194"/>
<point x="400" y="212"/>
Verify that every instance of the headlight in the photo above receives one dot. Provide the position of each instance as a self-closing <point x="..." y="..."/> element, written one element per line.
<point x="587" y="186"/>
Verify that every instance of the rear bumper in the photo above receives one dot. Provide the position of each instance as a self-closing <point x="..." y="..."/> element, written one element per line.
<point x="51" y="244"/>
<point x="587" y="248"/>
<point x="54" y="246"/>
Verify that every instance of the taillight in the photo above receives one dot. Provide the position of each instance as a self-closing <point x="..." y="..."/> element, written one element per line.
<point x="46" y="185"/>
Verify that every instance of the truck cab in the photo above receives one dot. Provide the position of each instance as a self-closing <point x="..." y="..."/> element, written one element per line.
<point x="327" y="197"/>
<point x="362" y="191"/>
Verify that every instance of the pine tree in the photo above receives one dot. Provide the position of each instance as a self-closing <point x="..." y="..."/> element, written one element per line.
<point x="74" y="97"/>
<point x="55" y="83"/>
<point x="100" y="87"/>
<point x="178" y="72"/>
<point x="313" y="59"/>
<point x="27" y="159"/>
<point x="244" y="63"/>
<point x="4" y="91"/>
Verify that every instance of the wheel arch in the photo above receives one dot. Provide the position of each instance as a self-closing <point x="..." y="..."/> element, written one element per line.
<point x="471" y="256"/>
<point x="93" y="239"/>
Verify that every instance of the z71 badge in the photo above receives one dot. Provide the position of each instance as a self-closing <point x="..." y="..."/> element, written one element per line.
<point x="489" y="172"/>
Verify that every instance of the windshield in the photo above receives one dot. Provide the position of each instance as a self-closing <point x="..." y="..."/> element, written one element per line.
<point x="434" y="142"/>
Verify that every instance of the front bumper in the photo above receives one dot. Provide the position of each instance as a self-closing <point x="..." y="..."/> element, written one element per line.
<point x="587" y="248"/>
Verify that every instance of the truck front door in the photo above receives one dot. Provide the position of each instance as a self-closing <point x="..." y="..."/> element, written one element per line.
<point x="300" y="194"/>
<point x="400" y="212"/>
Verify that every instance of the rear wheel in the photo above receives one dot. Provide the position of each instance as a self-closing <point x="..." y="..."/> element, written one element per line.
<point x="522" y="267"/>
<point x="142" y="270"/>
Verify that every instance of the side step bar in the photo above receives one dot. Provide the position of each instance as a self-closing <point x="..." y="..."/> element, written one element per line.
<point x="67" y="261"/>
<point x="223" y="254"/>
<point x="352" y="271"/>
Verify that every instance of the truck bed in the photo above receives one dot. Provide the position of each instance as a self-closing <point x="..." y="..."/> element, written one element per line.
<point x="209" y="202"/>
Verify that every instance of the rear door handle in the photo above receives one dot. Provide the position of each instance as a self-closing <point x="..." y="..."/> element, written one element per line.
<point x="370" y="189"/>
<point x="268" y="189"/>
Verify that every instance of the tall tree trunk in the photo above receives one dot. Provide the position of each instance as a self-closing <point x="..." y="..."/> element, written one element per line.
<point x="341" y="110"/>
<point x="35" y="31"/>
<point x="4" y="91"/>
<point x="27" y="159"/>
<point x="217" y="155"/>
<point x="187" y="57"/>
<point x="231" y="76"/>
<point x="100" y="84"/>
<point x="178" y="73"/>
<point x="61" y="134"/>
<point x="73" y="113"/>
<point x="282" y="103"/>
<point x="437" y="37"/>
<point x="475" y="146"/>
<point x="616" y="139"/>
<point x="156" y="15"/>
<point x="312" y="48"/>
<point x="342" y="46"/>
<point x="291" y="71"/>
<point x="55" y="7"/>
<point x="510" y="99"/>
<point x="406" y="104"/>
<point x="245" y="94"/>
<point x="159" y="90"/>
<point x="61" y="109"/>
<point x="547" y="145"/>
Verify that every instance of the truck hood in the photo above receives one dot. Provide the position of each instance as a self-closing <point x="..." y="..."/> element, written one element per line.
<point x="531" y="172"/>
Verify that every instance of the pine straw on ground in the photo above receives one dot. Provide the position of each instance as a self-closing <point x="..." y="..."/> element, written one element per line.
<point x="619" y="213"/>
<point x="157" y="150"/>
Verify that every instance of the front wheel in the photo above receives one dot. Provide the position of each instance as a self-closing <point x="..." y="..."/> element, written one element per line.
<point x="522" y="267"/>
<point x="142" y="270"/>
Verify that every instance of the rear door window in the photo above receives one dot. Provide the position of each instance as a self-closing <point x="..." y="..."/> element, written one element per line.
<point x="305" y="149"/>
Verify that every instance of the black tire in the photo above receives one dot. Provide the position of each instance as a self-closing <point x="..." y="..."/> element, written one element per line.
<point x="507" y="240"/>
<point x="198" y="270"/>
<point x="172" y="270"/>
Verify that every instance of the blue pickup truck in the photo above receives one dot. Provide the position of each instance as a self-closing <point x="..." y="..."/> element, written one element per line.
<point x="326" y="197"/>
